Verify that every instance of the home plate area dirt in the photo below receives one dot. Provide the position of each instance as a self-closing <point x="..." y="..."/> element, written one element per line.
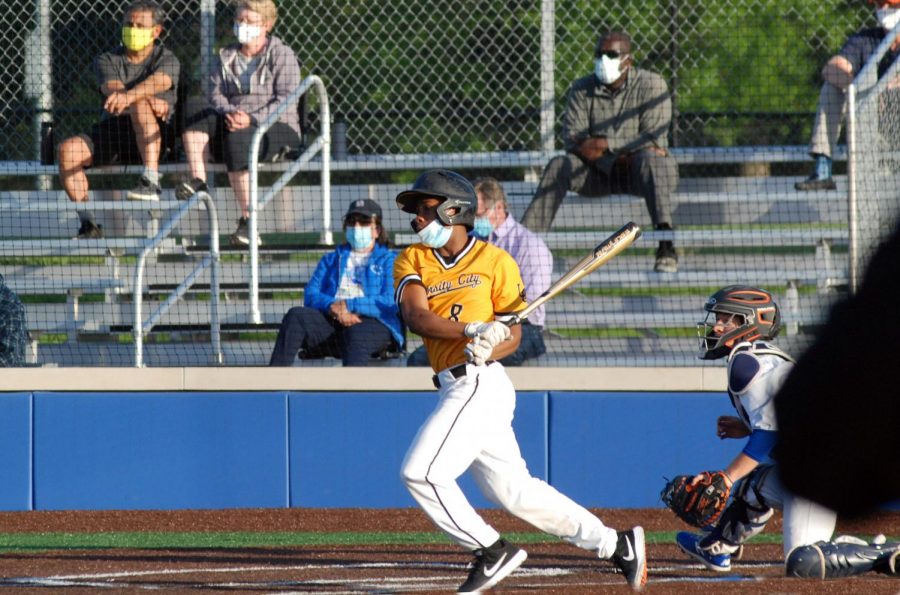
<point x="550" y="568"/>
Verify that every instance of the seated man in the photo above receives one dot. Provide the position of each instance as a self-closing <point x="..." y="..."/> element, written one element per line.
<point x="138" y="82"/>
<point x="13" y="334"/>
<point x="494" y="224"/>
<point x="348" y="307"/>
<point x="839" y="73"/>
<point x="614" y="130"/>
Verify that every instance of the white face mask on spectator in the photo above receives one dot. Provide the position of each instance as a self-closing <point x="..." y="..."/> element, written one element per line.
<point x="888" y="17"/>
<point x="246" y="33"/>
<point x="607" y="70"/>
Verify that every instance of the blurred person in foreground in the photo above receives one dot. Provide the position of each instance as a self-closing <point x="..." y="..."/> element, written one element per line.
<point x="138" y="82"/>
<point x="348" y="307"/>
<point x="838" y="410"/>
<point x="250" y="80"/>
<point x="494" y="224"/>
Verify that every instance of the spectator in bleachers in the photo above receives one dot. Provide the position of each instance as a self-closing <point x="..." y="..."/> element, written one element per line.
<point x="494" y="224"/>
<point x="839" y="73"/>
<point x="348" y="307"/>
<point x="138" y="82"/>
<point x="615" y="131"/>
<point x="13" y="334"/>
<point x="250" y="79"/>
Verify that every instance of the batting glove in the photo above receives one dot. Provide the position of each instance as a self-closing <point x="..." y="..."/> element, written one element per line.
<point x="479" y="351"/>
<point x="492" y="332"/>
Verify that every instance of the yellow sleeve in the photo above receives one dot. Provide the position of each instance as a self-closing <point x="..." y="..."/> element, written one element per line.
<point x="404" y="272"/>
<point x="508" y="292"/>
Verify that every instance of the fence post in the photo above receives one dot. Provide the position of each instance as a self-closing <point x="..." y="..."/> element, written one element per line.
<point x="548" y="59"/>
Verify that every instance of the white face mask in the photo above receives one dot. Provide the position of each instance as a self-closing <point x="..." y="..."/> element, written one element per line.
<point x="888" y="17"/>
<point x="607" y="70"/>
<point x="435" y="235"/>
<point x="247" y="33"/>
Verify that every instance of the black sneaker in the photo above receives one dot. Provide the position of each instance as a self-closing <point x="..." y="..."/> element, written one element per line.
<point x="185" y="190"/>
<point x="89" y="231"/>
<point x="145" y="190"/>
<point x="241" y="236"/>
<point x="492" y="565"/>
<point x="666" y="259"/>
<point x="631" y="557"/>
<point x="816" y="183"/>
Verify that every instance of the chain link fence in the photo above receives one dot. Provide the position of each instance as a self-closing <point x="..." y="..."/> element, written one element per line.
<point x="463" y="77"/>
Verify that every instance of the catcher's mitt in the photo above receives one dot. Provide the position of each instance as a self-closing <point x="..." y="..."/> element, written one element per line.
<point x="700" y="504"/>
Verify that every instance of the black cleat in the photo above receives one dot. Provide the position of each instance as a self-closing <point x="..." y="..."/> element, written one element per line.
<point x="631" y="557"/>
<point x="815" y="183"/>
<point x="492" y="565"/>
<point x="89" y="231"/>
<point x="189" y="188"/>
<point x="145" y="190"/>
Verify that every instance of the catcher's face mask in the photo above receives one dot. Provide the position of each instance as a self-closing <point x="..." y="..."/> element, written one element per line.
<point x="719" y="333"/>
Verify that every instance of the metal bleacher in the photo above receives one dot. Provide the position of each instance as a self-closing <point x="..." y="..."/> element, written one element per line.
<point x="730" y="212"/>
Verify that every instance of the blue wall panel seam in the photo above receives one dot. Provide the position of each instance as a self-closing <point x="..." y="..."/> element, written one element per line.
<point x="287" y="454"/>
<point x="31" y="479"/>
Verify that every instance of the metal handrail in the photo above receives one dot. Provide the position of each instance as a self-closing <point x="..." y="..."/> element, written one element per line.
<point x="321" y="144"/>
<point x="211" y="261"/>
<point x="862" y="86"/>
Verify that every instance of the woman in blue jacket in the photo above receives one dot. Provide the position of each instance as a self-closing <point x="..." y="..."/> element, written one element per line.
<point x="349" y="310"/>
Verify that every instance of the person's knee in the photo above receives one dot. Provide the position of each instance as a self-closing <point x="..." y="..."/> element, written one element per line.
<point x="74" y="152"/>
<point x="558" y="167"/>
<point x="142" y="111"/>
<point x="296" y="315"/>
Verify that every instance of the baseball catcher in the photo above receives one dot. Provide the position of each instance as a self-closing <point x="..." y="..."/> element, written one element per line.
<point x="740" y="323"/>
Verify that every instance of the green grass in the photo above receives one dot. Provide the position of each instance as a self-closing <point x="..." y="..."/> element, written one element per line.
<point x="12" y="542"/>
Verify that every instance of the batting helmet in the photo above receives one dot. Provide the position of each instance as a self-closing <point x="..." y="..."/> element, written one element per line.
<point x="761" y="319"/>
<point x="455" y="191"/>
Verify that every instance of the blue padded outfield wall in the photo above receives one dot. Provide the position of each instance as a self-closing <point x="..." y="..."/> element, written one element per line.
<point x="192" y="450"/>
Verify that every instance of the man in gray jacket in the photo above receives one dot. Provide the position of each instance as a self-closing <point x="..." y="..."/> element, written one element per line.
<point x="615" y="134"/>
<point x="251" y="79"/>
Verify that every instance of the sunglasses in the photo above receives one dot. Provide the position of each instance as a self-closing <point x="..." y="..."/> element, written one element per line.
<point x="611" y="54"/>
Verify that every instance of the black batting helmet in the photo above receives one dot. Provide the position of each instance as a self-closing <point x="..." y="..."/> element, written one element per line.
<point x="455" y="191"/>
<point x="761" y="319"/>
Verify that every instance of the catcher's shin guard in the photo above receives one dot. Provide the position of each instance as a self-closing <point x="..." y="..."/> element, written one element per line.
<point x="845" y="556"/>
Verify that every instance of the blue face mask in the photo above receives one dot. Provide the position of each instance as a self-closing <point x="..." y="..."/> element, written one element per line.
<point x="359" y="238"/>
<point x="435" y="235"/>
<point x="483" y="227"/>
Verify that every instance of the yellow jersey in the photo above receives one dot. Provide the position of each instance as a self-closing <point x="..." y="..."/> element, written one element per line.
<point x="482" y="283"/>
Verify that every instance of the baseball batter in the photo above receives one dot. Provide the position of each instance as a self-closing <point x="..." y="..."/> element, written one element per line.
<point x="455" y="291"/>
<point x="739" y="322"/>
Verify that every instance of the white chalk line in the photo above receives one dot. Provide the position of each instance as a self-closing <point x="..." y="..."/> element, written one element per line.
<point x="399" y="584"/>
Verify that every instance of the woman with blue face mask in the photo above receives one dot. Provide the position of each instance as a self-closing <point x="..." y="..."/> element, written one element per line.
<point x="348" y="306"/>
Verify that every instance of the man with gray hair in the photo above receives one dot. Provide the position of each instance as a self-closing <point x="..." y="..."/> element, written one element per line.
<point x="615" y="133"/>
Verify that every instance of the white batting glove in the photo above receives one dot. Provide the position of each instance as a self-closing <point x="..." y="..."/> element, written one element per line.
<point x="492" y="332"/>
<point x="478" y="351"/>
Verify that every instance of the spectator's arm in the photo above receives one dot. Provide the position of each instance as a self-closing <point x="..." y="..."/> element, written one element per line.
<point x="313" y="296"/>
<point x="838" y="72"/>
<point x="216" y="91"/>
<point x="576" y="121"/>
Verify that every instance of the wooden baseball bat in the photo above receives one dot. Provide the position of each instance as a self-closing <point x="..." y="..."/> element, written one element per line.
<point x="599" y="256"/>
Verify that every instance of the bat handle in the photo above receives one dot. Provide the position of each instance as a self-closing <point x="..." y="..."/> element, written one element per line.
<point x="514" y="320"/>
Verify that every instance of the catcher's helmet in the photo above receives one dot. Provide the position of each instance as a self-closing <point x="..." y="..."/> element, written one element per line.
<point x="456" y="192"/>
<point x="761" y="319"/>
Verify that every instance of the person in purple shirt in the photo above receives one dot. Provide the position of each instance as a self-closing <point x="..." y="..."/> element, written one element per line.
<point x="494" y="224"/>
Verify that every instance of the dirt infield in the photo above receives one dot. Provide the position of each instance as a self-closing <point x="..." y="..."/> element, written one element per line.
<point x="550" y="568"/>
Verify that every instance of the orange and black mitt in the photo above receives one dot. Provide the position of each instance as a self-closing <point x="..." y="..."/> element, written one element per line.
<point x="699" y="504"/>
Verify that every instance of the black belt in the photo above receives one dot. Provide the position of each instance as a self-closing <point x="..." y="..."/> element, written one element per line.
<point x="456" y="371"/>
